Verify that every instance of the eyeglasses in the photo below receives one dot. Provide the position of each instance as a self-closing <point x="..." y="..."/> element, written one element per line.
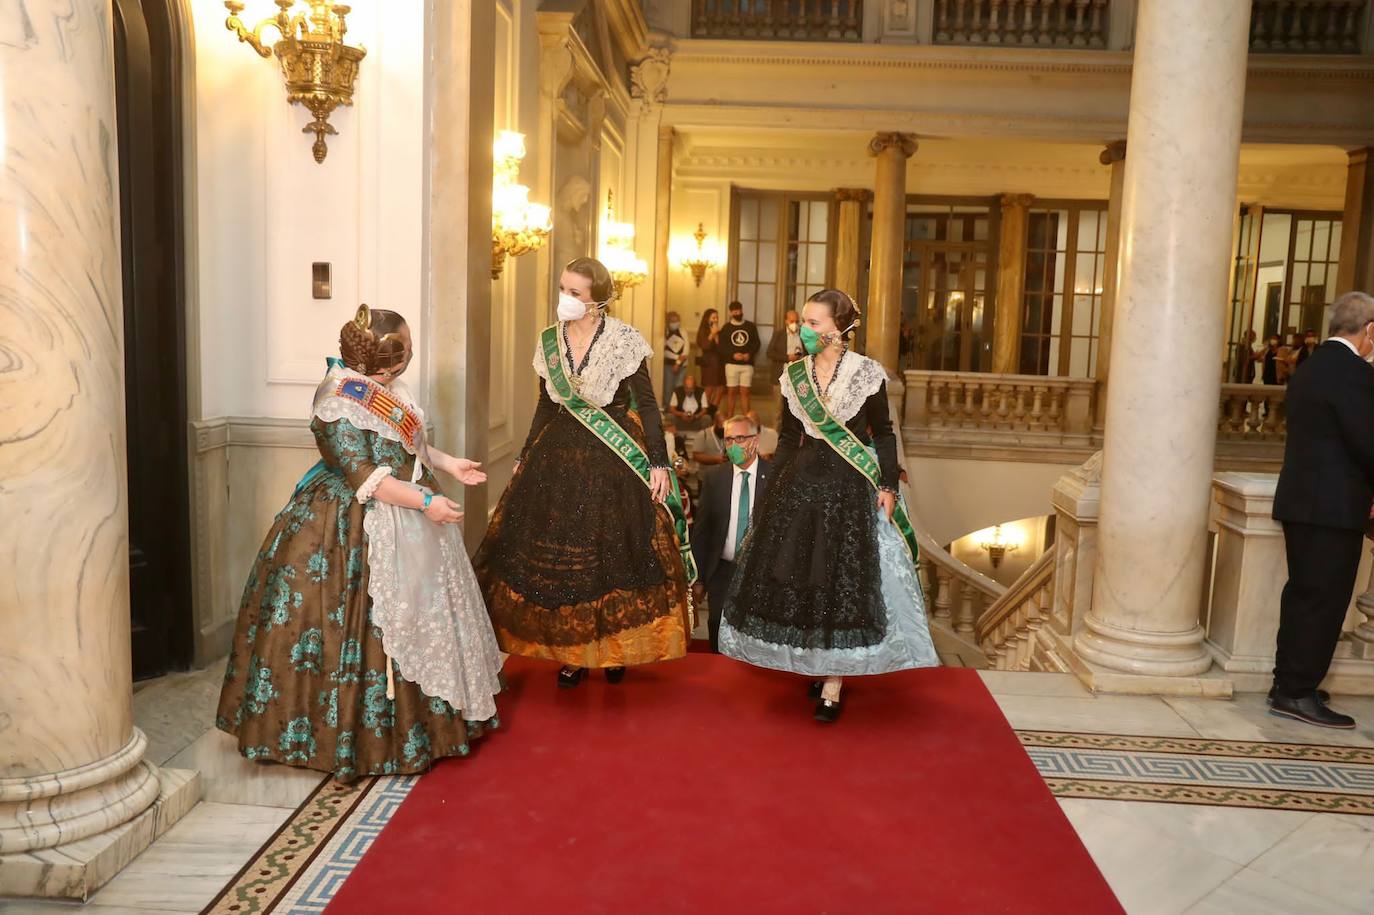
<point x="739" y="439"/>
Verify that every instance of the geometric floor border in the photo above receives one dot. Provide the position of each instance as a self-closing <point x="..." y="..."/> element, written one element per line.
<point x="1222" y="773"/>
<point x="311" y="832"/>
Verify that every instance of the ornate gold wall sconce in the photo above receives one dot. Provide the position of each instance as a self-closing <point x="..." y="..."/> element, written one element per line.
<point x="706" y="254"/>
<point x="319" y="69"/>
<point x="517" y="226"/>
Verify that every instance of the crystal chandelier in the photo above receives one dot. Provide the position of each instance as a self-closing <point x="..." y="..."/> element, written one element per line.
<point x="617" y="252"/>
<point x="517" y="226"/>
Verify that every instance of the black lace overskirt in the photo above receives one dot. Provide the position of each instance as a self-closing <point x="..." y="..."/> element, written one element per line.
<point x="809" y="574"/>
<point x="575" y="524"/>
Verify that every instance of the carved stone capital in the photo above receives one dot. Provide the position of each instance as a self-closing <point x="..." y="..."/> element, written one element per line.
<point x="906" y="142"/>
<point x="1017" y="200"/>
<point x="857" y="194"/>
<point x="649" y="77"/>
<point x="1114" y="151"/>
<point x="556" y="68"/>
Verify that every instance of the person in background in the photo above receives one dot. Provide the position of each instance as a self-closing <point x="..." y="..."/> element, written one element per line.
<point x="729" y="493"/>
<point x="786" y="345"/>
<point x="1309" y="346"/>
<point x="1269" y="360"/>
<point x="740" y="346"/>
<point x="710" y="446"/>
<point x="1323" y="500"/>
<point x="675" y="349"/>
<point x="1247" y="354"/>
<point x="687" y="406"/>
<point x="768" y="438"/>
<point x="711" y="358"/>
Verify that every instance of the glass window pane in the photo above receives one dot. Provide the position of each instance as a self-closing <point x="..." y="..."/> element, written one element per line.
<point x="1060" y="267"/>
<point x="1082" y="315"/>
<point x="1038" y="230"/>
<point x="1078" y="358"/>
<point x="820" y="220"/>
<point x="1335" y="241"/>
<point x="1061" y="239"/>
<point x="794" y="219"/>
<point x="1297" y="281"/>
<point x="768" y="262"/>
<point x="1302" y="242"/>
<point x="748" y="261"/>
<point x="748" y="218"/>
<point x="768" y="219"/>
<point x="1321" y="237"/>
<point x="1087" y="230"/>
<point x="746" y="293"/>
<point x="815" y="265"/>
<point x="980" y="230"/>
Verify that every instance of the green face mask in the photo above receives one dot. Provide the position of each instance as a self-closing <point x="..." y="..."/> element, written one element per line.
<point x="811" y="341"/>
<point x="736" y="454"/>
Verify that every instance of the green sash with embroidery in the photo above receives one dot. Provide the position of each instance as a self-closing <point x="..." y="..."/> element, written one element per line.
<point x="619" y="441"/>
<point x="837" y="436"/>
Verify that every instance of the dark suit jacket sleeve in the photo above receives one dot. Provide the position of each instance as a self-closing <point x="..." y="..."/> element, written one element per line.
<point x="884" y="439"/>
<point x="1354" y="409"/>
<point x="777" y="347"/>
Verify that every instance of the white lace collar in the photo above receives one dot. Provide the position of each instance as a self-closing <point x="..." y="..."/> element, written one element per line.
<point x="616" y="356"/>
<point x="329" y="407"/>
<point x="857" y="379"/>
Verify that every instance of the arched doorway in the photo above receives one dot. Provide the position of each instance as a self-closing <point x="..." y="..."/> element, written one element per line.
<point x="148" y="91"/>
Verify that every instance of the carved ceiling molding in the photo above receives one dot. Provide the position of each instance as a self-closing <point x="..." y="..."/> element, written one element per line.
<point x="649" y="77"/>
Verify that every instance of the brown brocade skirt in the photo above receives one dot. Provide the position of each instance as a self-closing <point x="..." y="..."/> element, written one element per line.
<point x="579" y="565"/>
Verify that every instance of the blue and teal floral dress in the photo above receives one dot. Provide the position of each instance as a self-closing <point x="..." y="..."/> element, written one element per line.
<point x="307" y="682"/>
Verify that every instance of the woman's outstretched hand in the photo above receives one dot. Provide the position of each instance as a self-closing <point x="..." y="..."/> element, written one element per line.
<point x="887" y="501"/>
<point x="443" y="510"/>
<point x="658" y="484"/>
<point x="466" y="472"/>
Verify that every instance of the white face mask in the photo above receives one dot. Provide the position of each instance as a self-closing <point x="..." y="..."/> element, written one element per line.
<point x="570" y="308"/>
<point x="792" y="326"/>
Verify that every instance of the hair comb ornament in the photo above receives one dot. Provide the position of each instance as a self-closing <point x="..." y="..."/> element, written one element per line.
<point x="363" y="318"/>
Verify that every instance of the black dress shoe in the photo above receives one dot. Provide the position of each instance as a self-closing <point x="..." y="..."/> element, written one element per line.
<point x="1322" y="694"/>
<point x="569" y="677"/>
<point x="814" y="690"/>
<point x="829" y="710"/>
<point x="615" y="674"/>
<point x="1310" y="710"/>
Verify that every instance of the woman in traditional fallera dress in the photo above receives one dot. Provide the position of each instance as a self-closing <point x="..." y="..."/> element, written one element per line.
<point x="583" y="561"/>
<point x="362" y="645"/>
<point x="826" y="582"/>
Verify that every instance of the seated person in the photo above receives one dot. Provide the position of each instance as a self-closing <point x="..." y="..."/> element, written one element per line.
<point x="688" y="408"/>
<point x="709" y="447"/>
<point x="768" y="437"/>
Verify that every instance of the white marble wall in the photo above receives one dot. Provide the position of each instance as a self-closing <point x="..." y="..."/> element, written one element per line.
<point x="64" y="602"/>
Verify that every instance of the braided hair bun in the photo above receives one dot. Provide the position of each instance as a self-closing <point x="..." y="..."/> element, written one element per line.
<point x="371" y="343"/>
<point x="842" y="308"/>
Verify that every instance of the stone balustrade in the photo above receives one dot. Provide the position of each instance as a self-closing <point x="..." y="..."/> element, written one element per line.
<point x="774" y="20"/>
<point x="1044" y="23"/>
<point x="1308" y="27"/>
<point x="999" y="409"/>
<point x="1252" y="412"/>
<point x="1009" y="629"/>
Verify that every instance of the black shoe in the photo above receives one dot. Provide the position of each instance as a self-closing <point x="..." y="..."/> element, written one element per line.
<point x="569" y="677"/>
<point x="615" y="674"/>
<point x="814" y="690"/>
<point x="829" y="711"/>
<point x="1310" y="710"/>
<point x="1322" y="694"/>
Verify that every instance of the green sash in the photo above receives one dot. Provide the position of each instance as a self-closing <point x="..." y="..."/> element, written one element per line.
<point x="838" y="437"/>
<point x="619" y="441"/>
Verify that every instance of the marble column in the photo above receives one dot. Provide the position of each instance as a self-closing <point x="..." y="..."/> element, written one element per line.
<point x="1011" y="283"/>
<point x="458" y="175"/>
<point x="663" y="200"/>
<point x="884" y="318"/>
<point x="77" y="798"/>
<point x="849" y="237"/>
<point x="1177" y="206"/>
<point x="1114" y="155"/>
<point x="1356" y="269"/>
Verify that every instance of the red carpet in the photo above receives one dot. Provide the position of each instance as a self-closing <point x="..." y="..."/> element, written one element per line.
<point x="703" y="785"/>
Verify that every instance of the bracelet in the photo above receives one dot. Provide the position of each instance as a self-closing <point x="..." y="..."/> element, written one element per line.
<point x="890" y="489"/>
<point x="429" y="497"/>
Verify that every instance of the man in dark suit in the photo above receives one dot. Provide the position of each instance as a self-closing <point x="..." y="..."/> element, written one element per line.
<point x="1323" y="499"/>
<point x="724" y="509"/>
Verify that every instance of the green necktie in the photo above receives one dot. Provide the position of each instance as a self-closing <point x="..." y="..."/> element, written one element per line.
<point x="742" y="517"/>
